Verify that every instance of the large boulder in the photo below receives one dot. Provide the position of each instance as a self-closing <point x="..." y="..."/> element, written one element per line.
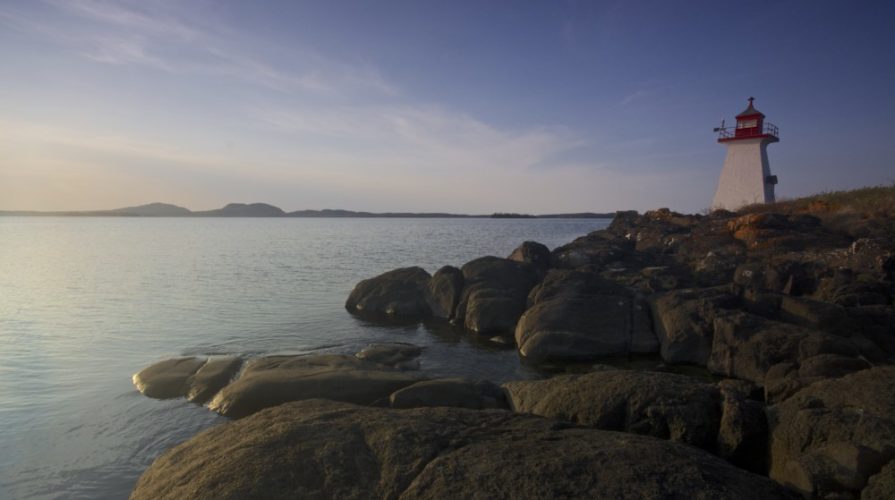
<point x="663" y="405"/>
<point x="533" y="253"/>
<point x="832" y="436"/>
<point x="455" y="392"/>
<point x="684" y="319"/>
<point x="322" y="449"/>
<point x="576" y="314"/>
<point x="443" y="292"/>
<point x="598" y="248"/>
<point x="397" y="293"/>
<point x="274" y="380"/>
<point x="494" y="295"/>
<point x="196" y="379"/>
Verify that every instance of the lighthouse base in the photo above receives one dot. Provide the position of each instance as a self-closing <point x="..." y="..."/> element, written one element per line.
<point x="746" y="177"/>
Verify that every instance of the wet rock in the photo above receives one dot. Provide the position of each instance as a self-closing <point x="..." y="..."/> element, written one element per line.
<point x="663" y="405"/>
<point x="832" y="436"/>
<point x="274" y="380"/>
<point x="397" y="293"/>
<point x="321" y="449"/>
<point x="443" y="292"/>
<point x="212" y="377"/>
<point x="167" y="379"/>
<point x="494" y="295"/>
<point x="454" y="392"/>
<point x="395" y="354"/>
<point x="533" y="253"/>
<point x="684" y="322"/>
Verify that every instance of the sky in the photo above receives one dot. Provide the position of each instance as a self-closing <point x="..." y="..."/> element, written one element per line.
<point x="461" y="106"/>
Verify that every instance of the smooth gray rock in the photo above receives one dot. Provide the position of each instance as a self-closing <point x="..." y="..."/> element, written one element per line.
<point x="274" y="380"/>
<point x="454" y="392"/>
<point x="397" y="293"/>
<point x="322" y="449"/>
<point x="663" y="405"/>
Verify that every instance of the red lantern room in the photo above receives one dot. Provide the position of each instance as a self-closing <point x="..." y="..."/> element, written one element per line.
<point x="750" y="125"/>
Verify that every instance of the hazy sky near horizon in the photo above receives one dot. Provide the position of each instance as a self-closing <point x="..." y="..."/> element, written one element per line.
<point x="461" y="106"/>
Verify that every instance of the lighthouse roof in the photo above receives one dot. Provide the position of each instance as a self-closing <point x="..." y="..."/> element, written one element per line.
<point x="750" y="111"/>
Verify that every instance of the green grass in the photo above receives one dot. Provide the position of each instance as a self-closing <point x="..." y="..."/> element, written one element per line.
<point x="878" y="201"/>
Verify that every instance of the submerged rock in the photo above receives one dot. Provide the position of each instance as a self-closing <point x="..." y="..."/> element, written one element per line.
<point x="322" y="449"/>
<point x="395" y="354"/>
<point x="274" y="380"/>
<point x="662" y="405"/>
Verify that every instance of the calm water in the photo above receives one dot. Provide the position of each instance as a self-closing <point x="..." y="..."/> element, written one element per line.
<point x="86" y="302"/>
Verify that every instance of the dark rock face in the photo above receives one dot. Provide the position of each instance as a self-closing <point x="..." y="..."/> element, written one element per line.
<point x="743" y="430"/>
<point x="275" y="380"/>
<point x="454" y="392"/>
<point x="321" y="449"/>
<point x="881" y="486"/>
<point x="533" y="253"/>
<point x="662" y="405"/>
<point x="684" y="321"/>
<point x="746" y="346"/>
<point x="196" y="379"/>
<point x="597" y="248"/>
<point x="398" y="293"/>
<point x="833" y="436"/>
<point x="576" y="314"/>
<point x="494" y="295"/>
<point x="396" y="354"/>
<point x="443" y="292"/>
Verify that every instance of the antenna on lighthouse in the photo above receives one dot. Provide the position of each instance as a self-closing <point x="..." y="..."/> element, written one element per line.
<point x="718" y="129"/>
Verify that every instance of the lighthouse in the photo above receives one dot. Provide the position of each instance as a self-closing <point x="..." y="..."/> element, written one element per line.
<point x="746" y="177"/>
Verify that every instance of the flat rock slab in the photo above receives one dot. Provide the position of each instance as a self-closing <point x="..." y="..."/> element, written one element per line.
<point x="274" y="380"/>
<point x="663" y="405"/>
<point x="197" y="379"/>
<point x="323" y="449"/>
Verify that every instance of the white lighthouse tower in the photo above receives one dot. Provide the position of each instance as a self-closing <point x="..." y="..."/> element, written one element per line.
<point x="746" y="177"/>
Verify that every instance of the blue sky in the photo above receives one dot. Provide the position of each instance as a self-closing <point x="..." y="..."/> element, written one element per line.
<point x="433" y="106"/>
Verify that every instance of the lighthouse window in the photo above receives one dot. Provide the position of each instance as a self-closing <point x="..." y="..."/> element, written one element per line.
<point x="747" y="124"/>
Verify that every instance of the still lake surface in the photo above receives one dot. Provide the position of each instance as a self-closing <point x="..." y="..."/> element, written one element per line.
<point x="87" y="302"/>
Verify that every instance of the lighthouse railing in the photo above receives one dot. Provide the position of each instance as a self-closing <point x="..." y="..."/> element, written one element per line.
<point x="765" y="129"/>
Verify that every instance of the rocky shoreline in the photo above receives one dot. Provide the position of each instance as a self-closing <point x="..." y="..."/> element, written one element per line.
<point x="788" y="314"/>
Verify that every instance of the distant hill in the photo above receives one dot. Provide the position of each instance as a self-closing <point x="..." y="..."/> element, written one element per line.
<point x="266" y="210"/>
<point x="150" y="210"/>
<point x="243" y="210"/>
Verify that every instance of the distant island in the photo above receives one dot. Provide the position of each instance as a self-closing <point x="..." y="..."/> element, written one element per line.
<point x="266" y="210"/>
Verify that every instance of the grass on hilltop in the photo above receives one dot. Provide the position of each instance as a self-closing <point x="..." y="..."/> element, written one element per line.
<point x="878" y="201"/>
